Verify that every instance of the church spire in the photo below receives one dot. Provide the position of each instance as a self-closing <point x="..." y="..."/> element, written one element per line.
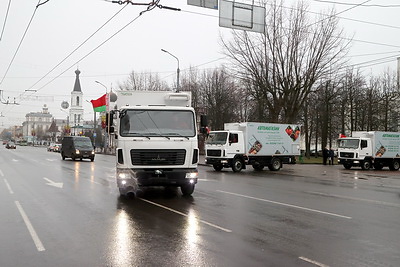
<point x="77" y="86"/>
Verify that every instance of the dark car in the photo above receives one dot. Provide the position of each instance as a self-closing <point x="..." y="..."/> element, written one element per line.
<point x="77" y="147"/>
<point x="11" y="145"/>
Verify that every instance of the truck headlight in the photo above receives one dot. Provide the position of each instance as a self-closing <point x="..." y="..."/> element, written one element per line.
<point x="124" y="175"/>
<point x="192" y="175"/>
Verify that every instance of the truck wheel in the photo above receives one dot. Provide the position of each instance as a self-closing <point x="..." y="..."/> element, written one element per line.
<point x="237" y="165"/>
<point x="347" y="166"/>
<point x="187" y="189"/>
<point x="218" y="167"/>
<point x="395" y="165"/>
<point x="275" y="164"/>
<point x="258" y="167"/>
<point x="366" y="165"/>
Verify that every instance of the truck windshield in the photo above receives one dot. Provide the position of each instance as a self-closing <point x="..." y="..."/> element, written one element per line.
<point x="217" y="138"/>
<point x="349" y="143"/>
<point x="166" y="123"/>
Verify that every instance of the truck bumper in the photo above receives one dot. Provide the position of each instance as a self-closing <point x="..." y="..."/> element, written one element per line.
<point x="155" y="177"/>
<point x="219" y="161"/>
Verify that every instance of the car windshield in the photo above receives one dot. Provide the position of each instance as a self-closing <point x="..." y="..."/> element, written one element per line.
<point x="165" y="123"/>
<point x="83" y="144"/>
<point x="349" y="143"/>
<point x="217" y="138"/>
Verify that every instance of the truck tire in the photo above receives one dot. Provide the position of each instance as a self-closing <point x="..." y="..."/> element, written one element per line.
<point x="395" y="165"/>
<point x="347" y="166"/>
<point x="237" y="165"/>
<point x="187" y="189"/>
<point x="275" y="164"/>
<point x="258" y="167"/>
<point x="218" y="167"/>
<point x="366" y="165"/>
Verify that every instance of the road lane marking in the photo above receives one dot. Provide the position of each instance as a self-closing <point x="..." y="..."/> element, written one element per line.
<point x="31" y="230"/>
<point x="185" y="215"/>
<point x="355" y="198"/>
<point x="313" y="262"/>
<point x="8" y="186"/>
<point x="287" y="205"/>
<point x="52" y="183"/>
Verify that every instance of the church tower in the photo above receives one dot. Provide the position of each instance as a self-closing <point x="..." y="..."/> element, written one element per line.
<point x="76" y="110"/>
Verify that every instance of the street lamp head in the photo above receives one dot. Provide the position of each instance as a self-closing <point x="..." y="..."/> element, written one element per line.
<point x="164" y="50"/>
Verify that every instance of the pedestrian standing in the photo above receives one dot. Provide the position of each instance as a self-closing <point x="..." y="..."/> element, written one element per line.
<point x="331" y="156"/>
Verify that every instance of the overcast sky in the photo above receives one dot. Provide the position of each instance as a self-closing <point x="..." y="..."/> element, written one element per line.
<point x="59" y="27"/>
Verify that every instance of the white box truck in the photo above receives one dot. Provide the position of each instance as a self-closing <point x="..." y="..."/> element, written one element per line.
<point x="370" y="149"/>
<point x="252" y="143"/>
<point x="156" y="141"/>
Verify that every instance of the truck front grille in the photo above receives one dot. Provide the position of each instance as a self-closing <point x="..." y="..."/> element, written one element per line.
<point x="214" y="152"/>
<point x="346" y="155"/>
<point x="149" y="157"/>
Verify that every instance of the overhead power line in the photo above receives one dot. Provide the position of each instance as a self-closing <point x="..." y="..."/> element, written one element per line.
<point x="5" y="20"/>
<point x="22" y="39"/>
<point x="351" y="4"/>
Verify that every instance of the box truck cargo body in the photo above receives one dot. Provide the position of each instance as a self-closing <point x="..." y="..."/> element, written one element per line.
<point x="156" y="141"/>
<point x="370" y="149"/>
<point x="253" y="143"/>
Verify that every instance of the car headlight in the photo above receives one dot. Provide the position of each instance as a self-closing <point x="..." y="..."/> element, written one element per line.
<point x="77" y="151"/>
<point x="92" y="152"/>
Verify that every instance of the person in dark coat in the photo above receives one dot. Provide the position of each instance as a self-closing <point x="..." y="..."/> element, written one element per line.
<point x="331" y="156"/>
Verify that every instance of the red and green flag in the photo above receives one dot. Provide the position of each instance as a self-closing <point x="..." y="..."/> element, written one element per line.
<point x="100" y="104"/>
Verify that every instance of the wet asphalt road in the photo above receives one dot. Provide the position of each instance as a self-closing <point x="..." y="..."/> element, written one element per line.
<point x="65" y="213"/>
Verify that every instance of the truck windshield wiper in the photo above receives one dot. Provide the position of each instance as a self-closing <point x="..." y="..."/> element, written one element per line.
<point x="158" y="134"/>
<point x="177" y="134"/>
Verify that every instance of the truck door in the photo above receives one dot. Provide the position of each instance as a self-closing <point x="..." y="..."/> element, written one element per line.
<point x="234" y="146"/>
<point x="365" y="148"/>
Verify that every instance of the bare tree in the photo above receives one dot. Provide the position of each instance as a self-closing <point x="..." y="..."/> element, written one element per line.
<point x="284" y="63"/>
<point x="145" y="81"/>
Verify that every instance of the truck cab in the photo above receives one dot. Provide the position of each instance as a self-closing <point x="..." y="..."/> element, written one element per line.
<point x="225" y="149"/>
<point x="355" y="151"/>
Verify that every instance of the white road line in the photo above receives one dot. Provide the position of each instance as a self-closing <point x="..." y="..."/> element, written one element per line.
<point x="185" y="215"/>
<point x="287" y="205"/>
<point x="355" y="198"/>
<point x="313" y="262"/>
<point x="31" y="230"/>
<point x="1" y="173"/>
<point x="8" y="186"/>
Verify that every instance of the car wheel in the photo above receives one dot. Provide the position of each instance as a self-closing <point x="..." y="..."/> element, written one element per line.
<point x="237" y="165"/>
<point x="218" y="167"/>
<point x="275" y="164"/>
<point x="187" y="189"/>
<point x="62" y="156"/>
<point x="91" y="159"/>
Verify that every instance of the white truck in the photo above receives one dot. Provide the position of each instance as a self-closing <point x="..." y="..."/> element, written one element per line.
<point x="367" y="149"/>
<point x="252" y="143"/>
<point x="156" y="141"/>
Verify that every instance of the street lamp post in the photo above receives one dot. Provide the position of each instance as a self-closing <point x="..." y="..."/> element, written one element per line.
<point x="177" y="71"/>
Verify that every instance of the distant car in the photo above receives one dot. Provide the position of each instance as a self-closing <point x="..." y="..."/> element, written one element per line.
<point x="57" y="148"/>
<point x="11" y="145"/>
<point x="5" y="142"/>
<point x="50" y="148"/>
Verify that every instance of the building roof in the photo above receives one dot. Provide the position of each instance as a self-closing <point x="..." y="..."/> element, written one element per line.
<point x="77" y="86"/>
